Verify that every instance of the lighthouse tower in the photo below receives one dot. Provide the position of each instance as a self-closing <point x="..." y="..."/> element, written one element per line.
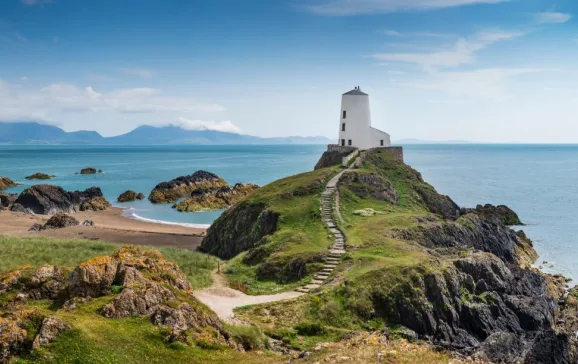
<point x="355" y="128"/>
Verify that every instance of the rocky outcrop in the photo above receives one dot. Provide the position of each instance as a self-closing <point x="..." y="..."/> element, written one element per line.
<point x="7" y="199"/>
<point x="41" y="176"/>
<point x="129" y="196"/>
<point x="333" y="157"/>
<point x="238" y="229"/>
<point x="171" y="191"/>
<point x="48" y="199"/>
<point x="6" y="182"/>
<point x="215" y="199"/>
<point x="500" y="214"/>
<point x="60" y="221"/>
<point x="369" y="185"/>
<point x="51" y="327"/>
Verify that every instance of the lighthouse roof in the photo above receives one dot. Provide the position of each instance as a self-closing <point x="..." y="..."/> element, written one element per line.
<point x="356" y="91"/>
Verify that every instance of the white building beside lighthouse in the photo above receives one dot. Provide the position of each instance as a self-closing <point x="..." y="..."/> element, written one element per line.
<point x="355" y="128"/>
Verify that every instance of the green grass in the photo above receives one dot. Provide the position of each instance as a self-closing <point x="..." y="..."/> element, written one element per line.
<point x="37" y="251"/>
<point x="96" y="339"/>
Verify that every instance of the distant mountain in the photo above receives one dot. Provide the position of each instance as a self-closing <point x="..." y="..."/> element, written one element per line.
<point x="36" y="133"/>
<point x="420" y="141"/>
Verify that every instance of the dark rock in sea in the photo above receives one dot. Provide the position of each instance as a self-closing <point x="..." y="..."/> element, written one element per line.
<point x="88" y="171"/>
<point x="41" y="176"/>
<point x="170" y="192"/>
<point x="215" y="199"/>
<point x="129" y="196"/>
<point x="60" y="221"/>
<point x="500" y="214"/>
<point x="6" y="182"/>
<point x="99" y="171"/>
<point x="333" y="157"/>
<point x="48" y="199"/>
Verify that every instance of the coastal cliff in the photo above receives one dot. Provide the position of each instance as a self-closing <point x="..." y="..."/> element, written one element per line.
<point x="422" y="266"/>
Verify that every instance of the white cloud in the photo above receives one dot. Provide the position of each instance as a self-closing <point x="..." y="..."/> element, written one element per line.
<point x="52" y="100"/>
<point x="394" y="72"/>
<point x="353" y="7"/>
<point x="488" y="84"/>
<point x="462" y="52"/>
<point x="552" y="17"/>
<point x="138" y="72"/>
<point x="226" y="126"/>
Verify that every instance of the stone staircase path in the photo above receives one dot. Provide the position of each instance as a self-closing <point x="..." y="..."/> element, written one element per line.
<point x="329" y="210"/>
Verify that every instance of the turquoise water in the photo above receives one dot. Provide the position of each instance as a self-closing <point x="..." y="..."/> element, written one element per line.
<point x="540" y="182"/>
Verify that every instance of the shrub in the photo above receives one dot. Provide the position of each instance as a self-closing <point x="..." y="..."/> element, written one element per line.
<point x="116" y="289"/>
<point x="309" y="329"/>
<point x="249" y="337"/>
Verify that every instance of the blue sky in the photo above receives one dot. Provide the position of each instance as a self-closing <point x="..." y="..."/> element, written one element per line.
<point x="480" y="70"/>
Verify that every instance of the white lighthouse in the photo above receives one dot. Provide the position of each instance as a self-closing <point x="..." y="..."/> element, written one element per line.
<point x="355" y="128"/>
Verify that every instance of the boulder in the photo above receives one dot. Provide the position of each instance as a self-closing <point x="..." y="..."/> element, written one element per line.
<point x="47" y="282"/>
<point x="171" y="191"/>
<point x="129" y="196"/>
<point x="137" y="301"/>
<point x="6" y="182"/>
<point x="12" y="339"/>
<point x="7" y="199"/>
<point x="48" y="199"/>
<point x="94" y="277"/>
<point x="60" y="221"/>
<point x="40" y="176"/>
<point x="51" y="327"/>
<point x="215" y="199"/>
<point x="36" y="227"/>
<point x="88" y="223"/>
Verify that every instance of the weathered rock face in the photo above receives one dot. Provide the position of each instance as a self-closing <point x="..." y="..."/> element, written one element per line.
<point x="168" y="192"/>
<point x="93" y="278"/>
<point x="48" y="199"/>
<point x="41" y="176"/>
<point x="129" y="196"/>
<point x="497" y="214"/>
<point x="50" y="329"/>
<point x="6" y="182"/>
<point x="7" y="199"/>
<point x="369" y="185"/>
<point x="60" y="221"/>
<point x="238" y="229"/>
<point x="333" y="157"/>
<point x="215" y="199"/>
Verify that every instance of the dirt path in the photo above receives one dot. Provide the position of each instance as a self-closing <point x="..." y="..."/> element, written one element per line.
<point x="222" y="299"/>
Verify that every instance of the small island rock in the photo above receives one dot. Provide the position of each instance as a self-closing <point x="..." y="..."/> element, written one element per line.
<point x="40" y="176"/>
<point x="171" y="191"/>
<point x="6" y="182"/>
<point x="49" y="199"/>
<point x="215" y="199"/>
<point x="129" y="196"/>
<point x="88" y="171"/>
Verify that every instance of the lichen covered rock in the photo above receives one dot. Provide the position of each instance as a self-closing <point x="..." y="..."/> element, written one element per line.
<point x="171" y="191"/>
<point x="60" y="221"/>
<point x="215" y="199"/>
<point x="50" y="329"/>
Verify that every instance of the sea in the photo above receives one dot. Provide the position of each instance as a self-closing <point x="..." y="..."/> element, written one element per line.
<point x="539" y="182"/>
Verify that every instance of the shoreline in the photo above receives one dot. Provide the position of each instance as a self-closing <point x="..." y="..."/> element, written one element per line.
<point x="110" y="225"/>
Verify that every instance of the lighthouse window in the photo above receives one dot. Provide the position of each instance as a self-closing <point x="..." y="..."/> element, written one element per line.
<point x="342" y="142"/>
<point x="382" y="142"/>
<point x="349" y="142"/>
<point x="344" y="114"/>
<point x="343" y="127"/>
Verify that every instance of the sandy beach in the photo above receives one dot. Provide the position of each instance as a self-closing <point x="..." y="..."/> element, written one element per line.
<point x="110" y="225"/>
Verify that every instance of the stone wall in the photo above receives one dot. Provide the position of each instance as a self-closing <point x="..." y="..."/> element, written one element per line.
<point x="339" y="149"/>
<point x="396" y="152"/>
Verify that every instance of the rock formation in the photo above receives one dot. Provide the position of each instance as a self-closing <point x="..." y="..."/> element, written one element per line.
<point x="333" y="157"/>
<point x="89" y="171"/>
<point x="145" y="285"/>
<point x="7" y="199"/>
<point x="6" y="182"/>
<point x="58" y="221"/>
<point x="48" y="199"/>
<point x="41" y="176"/>
<point x="171" y="191"/>
<point x="215" y="199"/>
<point x="129" y="196"/>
